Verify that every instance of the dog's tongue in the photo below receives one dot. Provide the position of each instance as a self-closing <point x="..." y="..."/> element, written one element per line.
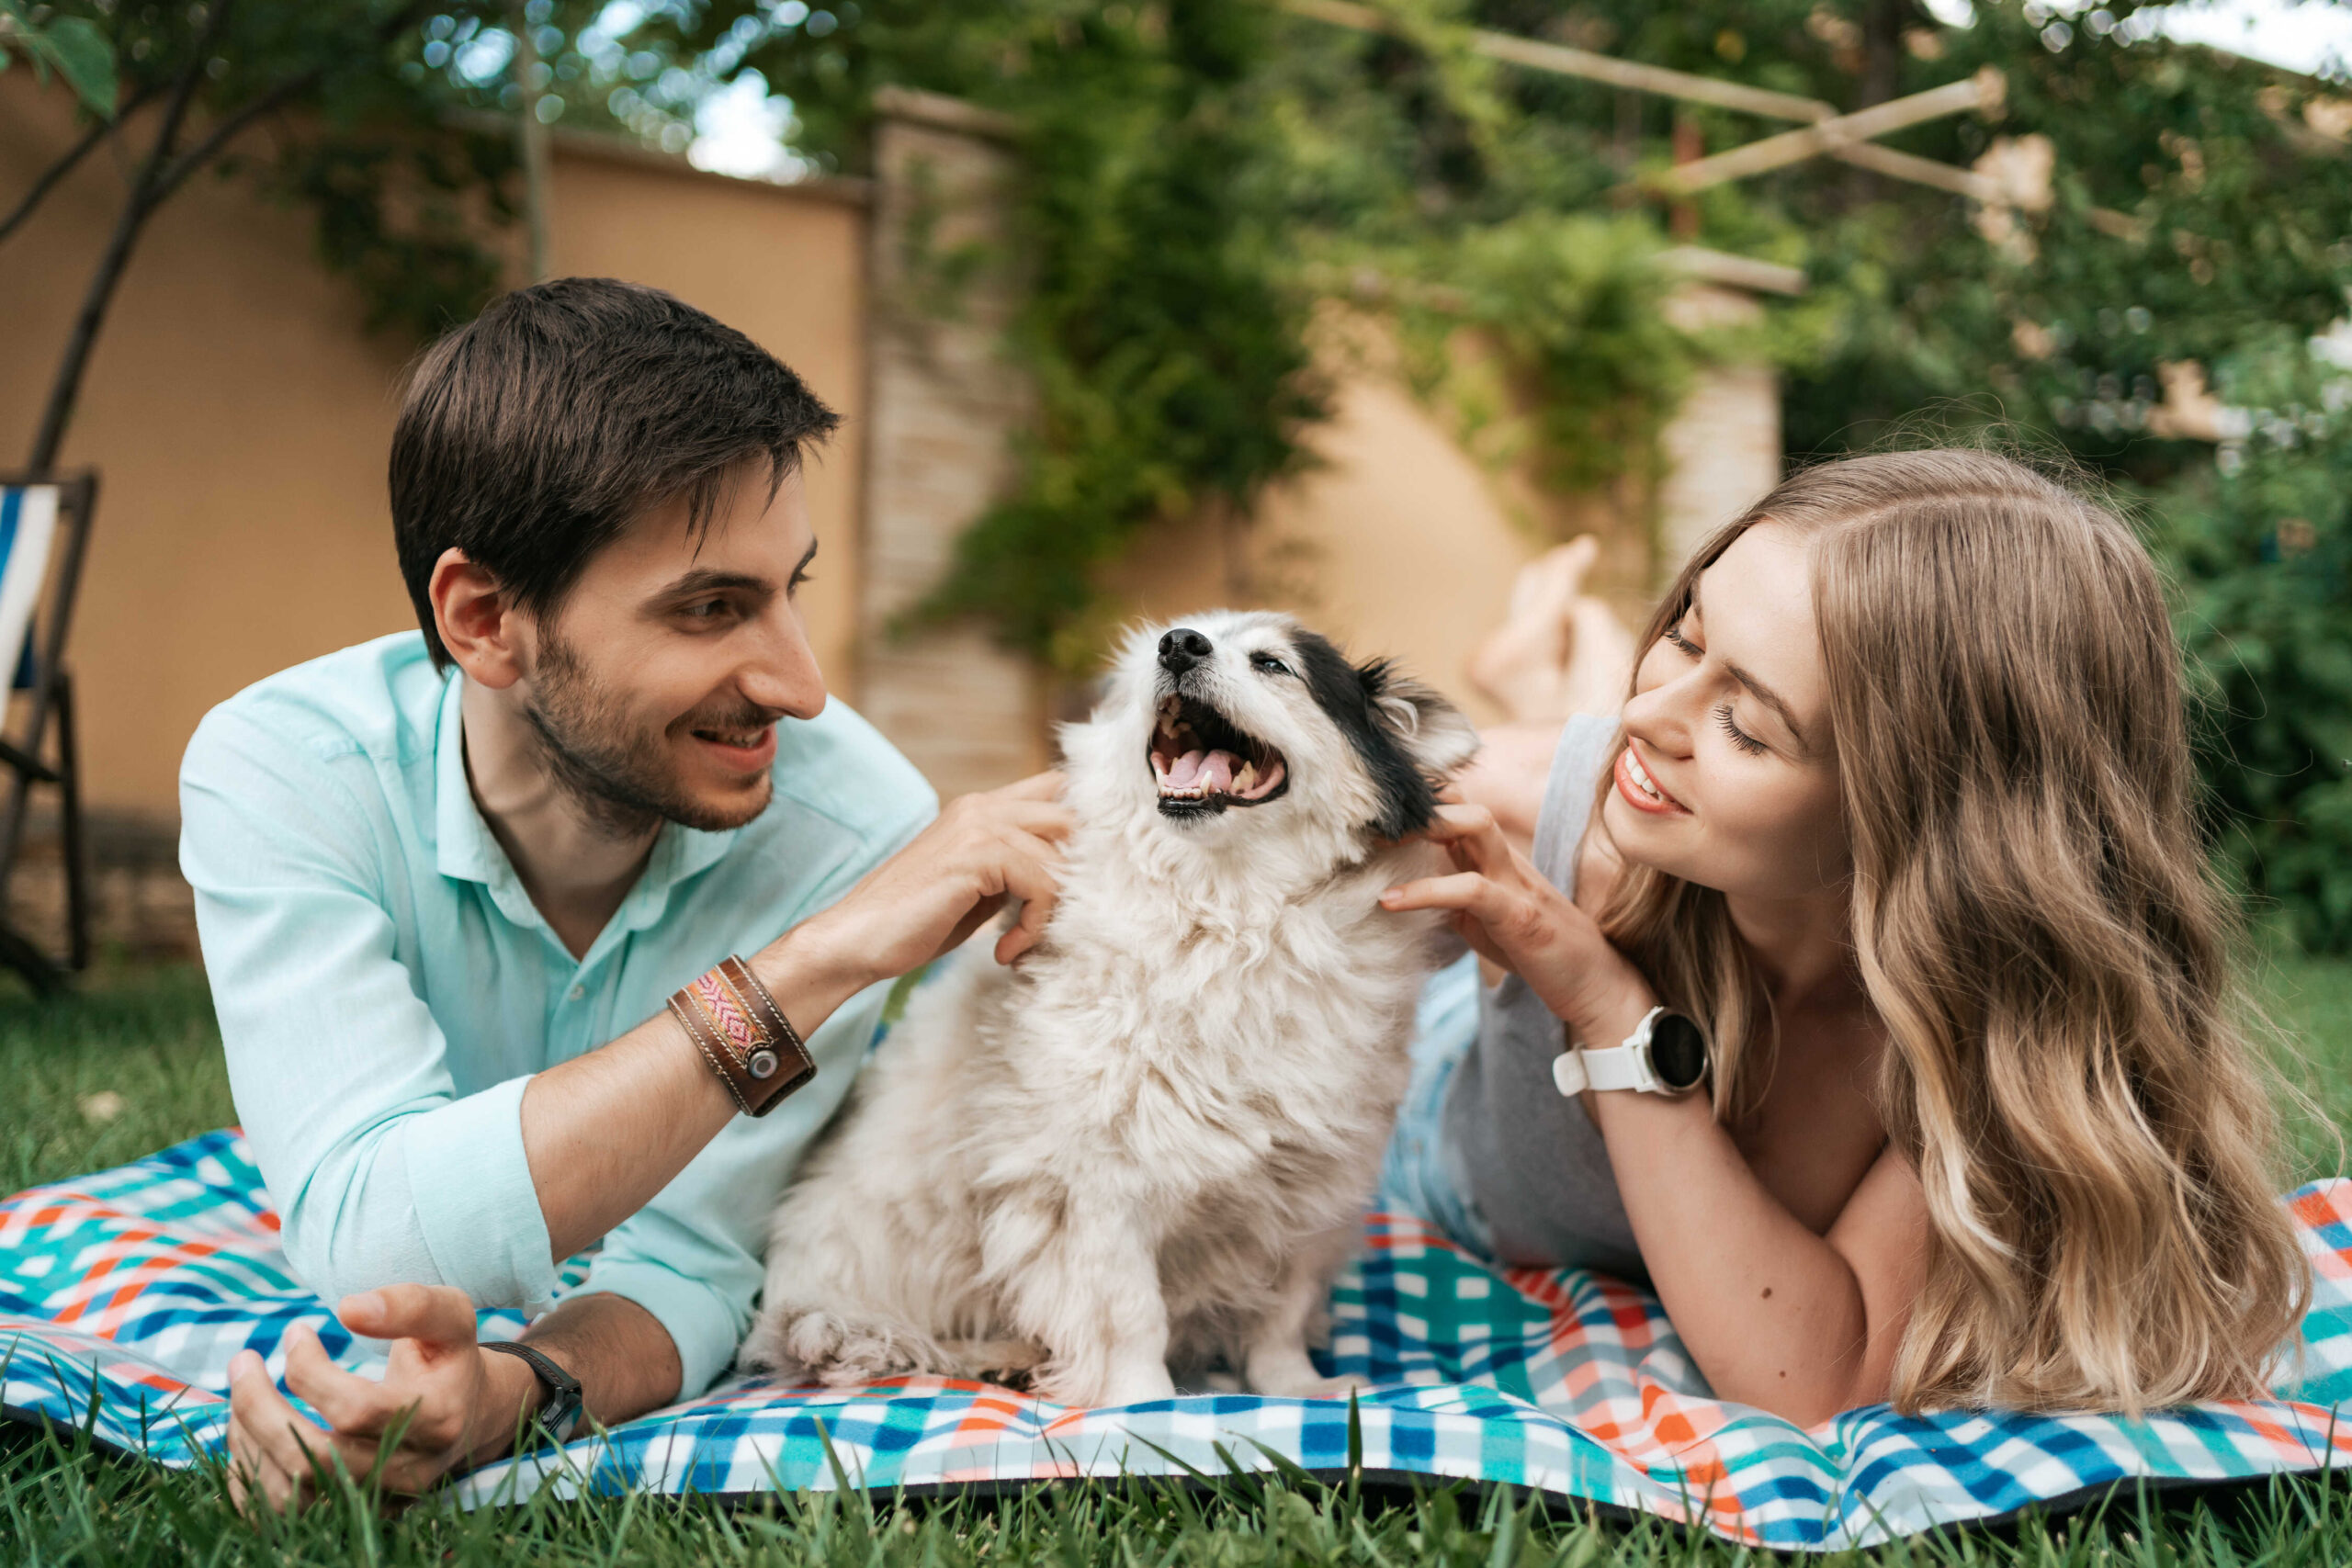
<point x="1202" y="769"/>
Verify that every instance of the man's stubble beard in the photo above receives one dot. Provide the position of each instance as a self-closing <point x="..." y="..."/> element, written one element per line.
<point x="615" y="772"/>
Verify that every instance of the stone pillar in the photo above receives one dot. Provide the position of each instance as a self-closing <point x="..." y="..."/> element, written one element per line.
<point x="944" y="403"/>
<point x="1723" y="446"/>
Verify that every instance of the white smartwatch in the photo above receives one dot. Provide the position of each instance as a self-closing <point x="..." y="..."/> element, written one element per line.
<point x="1667" y="1053"/>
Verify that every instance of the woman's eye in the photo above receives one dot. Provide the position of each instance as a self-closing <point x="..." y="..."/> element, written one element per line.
<point x="1681" y="644"/>
<point x="1740" y="738"/>
<point x="1268" y="664"/>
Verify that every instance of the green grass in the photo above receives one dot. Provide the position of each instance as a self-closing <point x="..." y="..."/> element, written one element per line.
<point x="147" y="1036"/>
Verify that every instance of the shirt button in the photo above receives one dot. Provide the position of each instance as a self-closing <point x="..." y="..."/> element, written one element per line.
<point x="578" y="991"/>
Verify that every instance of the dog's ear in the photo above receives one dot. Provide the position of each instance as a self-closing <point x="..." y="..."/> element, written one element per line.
<point x="1437" y="735"/>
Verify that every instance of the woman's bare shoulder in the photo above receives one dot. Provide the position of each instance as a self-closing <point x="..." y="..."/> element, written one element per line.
<point x="1509" y="774"/>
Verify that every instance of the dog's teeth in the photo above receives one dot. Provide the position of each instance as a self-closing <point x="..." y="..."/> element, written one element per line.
<point x="1246" y="779"/>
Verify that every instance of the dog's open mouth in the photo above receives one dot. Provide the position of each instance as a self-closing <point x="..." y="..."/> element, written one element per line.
<point x="1205" y="765"/>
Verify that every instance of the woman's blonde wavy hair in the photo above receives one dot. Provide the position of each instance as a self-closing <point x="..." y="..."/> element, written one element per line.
<point x="2035" y="924"/>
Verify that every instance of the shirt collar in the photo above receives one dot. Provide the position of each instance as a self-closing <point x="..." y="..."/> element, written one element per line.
<point x="464" y="848"/>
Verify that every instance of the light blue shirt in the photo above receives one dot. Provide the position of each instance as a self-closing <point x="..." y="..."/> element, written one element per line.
<point x="386" y="988"/>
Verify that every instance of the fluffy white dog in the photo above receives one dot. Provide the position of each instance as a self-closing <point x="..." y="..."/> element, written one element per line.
<point x="1152" y="1139"/>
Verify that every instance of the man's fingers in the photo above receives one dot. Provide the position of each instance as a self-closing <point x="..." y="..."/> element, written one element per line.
<point x="1027" y="933"/>
<point x="1044" y="818"/>
<point x="1033" y="878"/>
<point x="438" y="1314"/>
<point x="348" y="1401"/>
<point x="277" y="1441"/>
<point x="1047" y="785"/>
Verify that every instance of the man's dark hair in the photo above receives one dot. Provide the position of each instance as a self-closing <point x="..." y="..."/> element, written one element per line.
<point x="533" y="435"/>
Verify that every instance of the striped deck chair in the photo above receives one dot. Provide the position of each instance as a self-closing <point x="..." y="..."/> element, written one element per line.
<point x="44" y="534"/>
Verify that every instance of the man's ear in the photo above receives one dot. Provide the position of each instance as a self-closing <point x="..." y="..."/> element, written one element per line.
<point x="1437" y="735"/>
<point x="477" y="619"/>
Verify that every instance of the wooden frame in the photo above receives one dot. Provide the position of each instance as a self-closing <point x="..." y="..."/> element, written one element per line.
<point x="1825" y="133"/>
<point x="21" y="748"/>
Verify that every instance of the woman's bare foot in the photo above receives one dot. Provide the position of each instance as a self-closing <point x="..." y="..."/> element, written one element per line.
<point x="1559" y="650"/>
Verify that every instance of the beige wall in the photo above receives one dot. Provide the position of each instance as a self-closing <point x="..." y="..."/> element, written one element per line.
<point x="239" y="416"/>
<point x="1396" y="542"/>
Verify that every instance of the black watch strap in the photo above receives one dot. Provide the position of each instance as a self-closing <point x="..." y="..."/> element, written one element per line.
<point x="560" y="1415"/>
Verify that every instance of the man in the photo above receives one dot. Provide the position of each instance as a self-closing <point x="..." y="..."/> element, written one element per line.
<point x="445" y="880"/>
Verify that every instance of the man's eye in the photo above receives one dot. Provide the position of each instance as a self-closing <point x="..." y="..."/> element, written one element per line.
<point x="705" y="610"/>
<point x="1268" y="664"/>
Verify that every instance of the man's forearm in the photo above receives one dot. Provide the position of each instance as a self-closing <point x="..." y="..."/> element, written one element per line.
<point x="624" y="1360"/>
<point x="607" y="1131"/>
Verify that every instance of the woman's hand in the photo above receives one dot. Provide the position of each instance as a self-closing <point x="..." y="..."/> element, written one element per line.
<point x="1512" y="915"/>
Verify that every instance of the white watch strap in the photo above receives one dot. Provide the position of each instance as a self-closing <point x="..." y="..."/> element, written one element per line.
<point x="1620" y="1067"/>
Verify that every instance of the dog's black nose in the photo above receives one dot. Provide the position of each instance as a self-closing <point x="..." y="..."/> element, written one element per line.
<point x="1183" y="648"/>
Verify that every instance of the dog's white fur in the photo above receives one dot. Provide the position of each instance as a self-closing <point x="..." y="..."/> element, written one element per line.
<point x="1151" y="1140"/>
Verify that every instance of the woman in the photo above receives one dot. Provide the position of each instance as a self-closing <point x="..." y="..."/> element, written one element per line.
<point x="1899" y="817"/>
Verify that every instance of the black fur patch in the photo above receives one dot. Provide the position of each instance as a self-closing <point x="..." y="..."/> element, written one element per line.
<point x="1349" y="694"/>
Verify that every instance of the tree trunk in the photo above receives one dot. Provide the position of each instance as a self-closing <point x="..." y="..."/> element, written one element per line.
<point x="144" y="193"/>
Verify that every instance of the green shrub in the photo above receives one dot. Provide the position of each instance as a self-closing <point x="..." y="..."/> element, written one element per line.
<point x="2261" y="547"/>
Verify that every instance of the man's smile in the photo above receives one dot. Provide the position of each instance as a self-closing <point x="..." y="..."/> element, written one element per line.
<point x="740" y="749"/>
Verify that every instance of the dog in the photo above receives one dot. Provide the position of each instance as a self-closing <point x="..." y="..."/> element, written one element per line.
<point x="1151" y="1139"/>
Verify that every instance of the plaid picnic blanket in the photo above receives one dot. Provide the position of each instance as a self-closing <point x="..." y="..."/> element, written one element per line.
<point x="124" y="1294"/>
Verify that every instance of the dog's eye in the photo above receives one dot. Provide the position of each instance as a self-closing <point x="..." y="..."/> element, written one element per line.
<point x="1267" y="664"/>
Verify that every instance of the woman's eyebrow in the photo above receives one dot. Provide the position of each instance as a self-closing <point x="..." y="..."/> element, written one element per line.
<point x="1770" y="699"/>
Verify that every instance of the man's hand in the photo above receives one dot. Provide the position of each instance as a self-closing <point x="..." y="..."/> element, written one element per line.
<point x="983" y="852"/>
<point x="444" y="1403"/>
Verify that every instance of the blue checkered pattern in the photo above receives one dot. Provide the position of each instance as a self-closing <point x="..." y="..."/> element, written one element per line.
<point x="123" y="1296"/>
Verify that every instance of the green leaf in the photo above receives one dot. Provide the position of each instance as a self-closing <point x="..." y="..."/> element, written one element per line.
<point x="71" y="46"/>
<point x="84" y="57"/>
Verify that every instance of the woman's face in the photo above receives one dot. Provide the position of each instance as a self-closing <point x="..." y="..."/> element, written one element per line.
<point x="1729" y="779"/>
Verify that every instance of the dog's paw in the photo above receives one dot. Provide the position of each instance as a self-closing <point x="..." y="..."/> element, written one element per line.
<point x="762" y="1349"/>
<point x="1311" y="1385"/>
<point x="841" y="1350"/>
<point x="1090" y="1387"/>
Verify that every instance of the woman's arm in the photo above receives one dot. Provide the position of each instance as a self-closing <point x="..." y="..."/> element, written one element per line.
<point x="1800" y="1325"/>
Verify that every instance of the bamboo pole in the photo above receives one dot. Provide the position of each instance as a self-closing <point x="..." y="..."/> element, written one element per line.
<point x="1559" y="60"/>
<point x="1982" y="90"/>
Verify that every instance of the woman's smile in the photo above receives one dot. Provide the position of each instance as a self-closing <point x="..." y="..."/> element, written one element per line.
<point x="1642" y="791"/>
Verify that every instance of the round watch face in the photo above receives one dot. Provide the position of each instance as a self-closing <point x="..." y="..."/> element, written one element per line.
<point x="1677" y="1051"/>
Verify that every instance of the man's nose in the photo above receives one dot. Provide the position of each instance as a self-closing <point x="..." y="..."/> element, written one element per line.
<point x="786" y="675"/>
<point x="1183" y="648"/>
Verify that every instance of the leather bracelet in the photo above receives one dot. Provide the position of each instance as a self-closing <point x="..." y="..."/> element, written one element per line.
<point x="743" y="1035"/>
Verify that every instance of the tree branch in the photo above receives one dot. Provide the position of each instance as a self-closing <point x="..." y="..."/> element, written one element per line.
<point x="74" y="155"/>
<point x="277" y="97"/>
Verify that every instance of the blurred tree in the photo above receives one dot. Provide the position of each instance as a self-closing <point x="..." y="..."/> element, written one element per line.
<point x="401" y="193"/>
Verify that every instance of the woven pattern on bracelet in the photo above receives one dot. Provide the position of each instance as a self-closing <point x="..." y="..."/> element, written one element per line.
<point x="743" y="1035"/>
<point x="752" y="1047"/>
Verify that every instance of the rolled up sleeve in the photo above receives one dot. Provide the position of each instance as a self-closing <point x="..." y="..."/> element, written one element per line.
<point x="379" y="1171"/>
